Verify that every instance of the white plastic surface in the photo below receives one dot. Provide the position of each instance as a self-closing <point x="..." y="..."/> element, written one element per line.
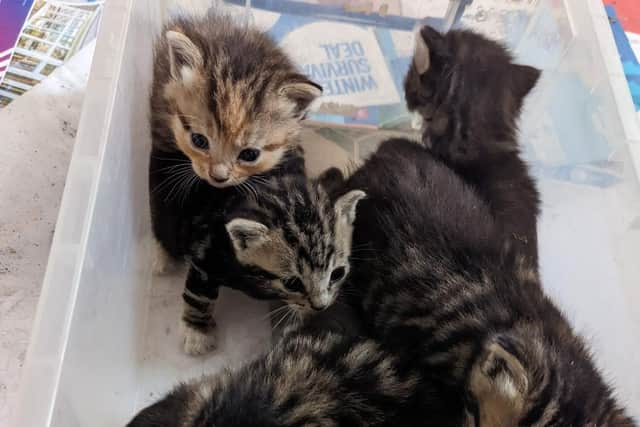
<point x="105" y="340"/>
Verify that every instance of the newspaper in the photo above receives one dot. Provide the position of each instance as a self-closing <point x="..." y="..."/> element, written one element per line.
<point x="38" y="36"/>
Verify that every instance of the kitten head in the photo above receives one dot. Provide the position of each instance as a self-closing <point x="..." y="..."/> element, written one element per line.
<point x="466" y="87"/>
<point x="301" y="242"/>
<point x="227" y="97"/>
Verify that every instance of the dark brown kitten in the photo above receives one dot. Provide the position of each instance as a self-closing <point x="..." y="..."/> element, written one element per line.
<point x="469" y="93"/>
<point x="437" y="288"/>
<point x="437" y="284"/>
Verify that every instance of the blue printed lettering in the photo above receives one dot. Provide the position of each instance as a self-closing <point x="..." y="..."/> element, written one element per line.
<point x="357" y="49"/>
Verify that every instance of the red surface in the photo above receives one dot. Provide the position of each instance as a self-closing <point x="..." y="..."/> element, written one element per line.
<point x="628" y="12"/>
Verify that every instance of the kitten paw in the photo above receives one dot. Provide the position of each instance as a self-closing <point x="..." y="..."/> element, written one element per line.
<point x="197" y="342"/>
<point x="162" y="262"/>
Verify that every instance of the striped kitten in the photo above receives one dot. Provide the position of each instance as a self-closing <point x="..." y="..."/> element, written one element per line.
<point x="286" y="240"/>
<point x="226" y="107"/>
<point x="438" y="289"/>
<point x="439" y="286"/>
<point x="321" y="374"/>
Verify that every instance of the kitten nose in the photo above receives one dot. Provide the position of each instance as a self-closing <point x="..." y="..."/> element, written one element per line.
<point x="219" y="173"/>
<point x="318" y="305"/>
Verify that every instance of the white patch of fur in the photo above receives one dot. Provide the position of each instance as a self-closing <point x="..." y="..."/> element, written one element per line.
<point x="188" y="75"/>
<point x="195" y="342"/>
<point x="506" y="387"/>
<point x="319" y="293"/>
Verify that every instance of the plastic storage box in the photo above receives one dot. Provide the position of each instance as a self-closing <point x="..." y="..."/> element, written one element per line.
<point x="105" y="340"/>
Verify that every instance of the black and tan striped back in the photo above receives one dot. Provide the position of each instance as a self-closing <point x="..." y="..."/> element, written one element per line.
<point x="438" y="289"/>
<point x="321" y="373"/>
<point x="448" y="283"/>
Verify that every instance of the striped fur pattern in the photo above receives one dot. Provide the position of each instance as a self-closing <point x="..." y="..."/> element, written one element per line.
<point x="316" y="375"/>
<point x="231" y="86"/>
<point x="284" y="240"/>
<point x="440" y="286"/>
<point x="469" y="93"/>
<point x="440" y="289"/>
<point x="226" y="105"/>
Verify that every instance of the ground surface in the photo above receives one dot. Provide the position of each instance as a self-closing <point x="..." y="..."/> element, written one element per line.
<point x="33" y="166"/>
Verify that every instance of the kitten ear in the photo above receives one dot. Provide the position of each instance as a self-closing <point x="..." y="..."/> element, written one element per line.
<point x="429" y="43"/>
<point x="346" y="205"/>
<point x="524" y="79"/>
<point x="421" y="57"/>
<point x="247" y="234"/>
<point x="300" y="92"/>
<point x="331" y="179"/>
<point x="498" y="376"/>
<point x="184" y="56"/>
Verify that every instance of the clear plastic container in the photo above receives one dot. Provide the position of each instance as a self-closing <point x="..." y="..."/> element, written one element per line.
<point x="105" y="340"/>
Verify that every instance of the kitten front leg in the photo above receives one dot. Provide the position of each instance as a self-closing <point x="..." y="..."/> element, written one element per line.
<point x="197" y="318"/>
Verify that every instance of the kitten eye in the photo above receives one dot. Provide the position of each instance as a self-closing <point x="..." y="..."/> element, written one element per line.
<point x="294" y="285"/>
<point x="249" y="155"/>
<point x="199" y="141"/>
<point x="337" y="274"/>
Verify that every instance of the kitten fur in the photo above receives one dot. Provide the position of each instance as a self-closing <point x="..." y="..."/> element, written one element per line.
<point x="440" y="288"/>
<point x="285" y="240"/>
<point x="218" y="90"/>
<point x="469" y="93"/>
<point x="230" y="87"/>
<point x="321" y="374"/>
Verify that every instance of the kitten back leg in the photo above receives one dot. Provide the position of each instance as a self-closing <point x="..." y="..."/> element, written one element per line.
<point x="198" y="325"/>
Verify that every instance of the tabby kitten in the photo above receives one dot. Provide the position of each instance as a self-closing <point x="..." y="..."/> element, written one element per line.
<point x="321" y="374"/>
<point x="469" y="94"/>
<point x="287" y="240"/>
<point x="439" y="287"/>
<point x="226" y="105"/>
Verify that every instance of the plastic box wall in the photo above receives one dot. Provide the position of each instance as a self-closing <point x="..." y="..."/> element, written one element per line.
<point x="89" y="362"/>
